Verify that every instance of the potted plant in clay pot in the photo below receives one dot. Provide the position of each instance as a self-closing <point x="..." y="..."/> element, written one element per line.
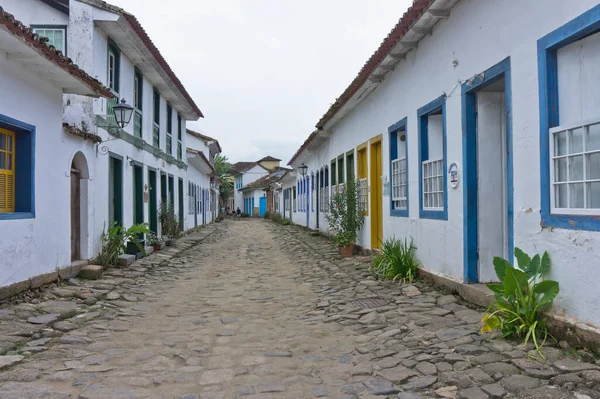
<point x="346" y="218"/>
<point x="154" y="241"/>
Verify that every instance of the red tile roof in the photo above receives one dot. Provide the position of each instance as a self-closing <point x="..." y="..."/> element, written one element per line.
<point x="139" y="30"/>
<point x="269" y="158"/>
<point x="39" y="44"/>
<point x="410" y="17"/>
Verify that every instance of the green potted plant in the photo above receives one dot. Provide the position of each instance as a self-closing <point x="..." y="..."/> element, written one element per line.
<point x="154" y="241"/>
<point x="169" y="222"/>
<point x="346" y="218"/>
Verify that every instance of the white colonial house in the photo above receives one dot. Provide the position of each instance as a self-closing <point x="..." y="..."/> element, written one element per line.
<point x="203" y="192"/>
<point x="474" y="129"/>
<point x="112" y="174"/>
<point x="245" y="173"/>
<point x="42" y="179"/>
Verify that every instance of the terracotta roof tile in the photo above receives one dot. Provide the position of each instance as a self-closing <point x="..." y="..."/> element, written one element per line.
<point x="40" y="45"/>
<point x="267" y="180"/>
<point x="269" y="158"/>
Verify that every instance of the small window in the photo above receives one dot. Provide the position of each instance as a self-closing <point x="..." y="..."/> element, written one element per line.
<point x="432" y="151"/>
<point x="57" y="36"/>
<point x="399" y="168"/>
<point x="179" y="137"/>
<point x="156" y="125"/>
<point x="138" y="83"/>
<point x="17" y="172"/>
<point x="114" y="65"/>
<point x="326" y="191"/>
<point x="169" y="148"/>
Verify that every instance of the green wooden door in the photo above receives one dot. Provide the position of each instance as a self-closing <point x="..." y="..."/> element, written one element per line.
<point x="138" y="195"/>
<point x="117" y="190"/>
<point x="152" y="210"/>
<point x="163" y="188"/>
<point x="180" y="191"/>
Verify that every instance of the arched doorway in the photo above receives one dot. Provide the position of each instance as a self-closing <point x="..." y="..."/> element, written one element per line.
<point x="79" y="219"/>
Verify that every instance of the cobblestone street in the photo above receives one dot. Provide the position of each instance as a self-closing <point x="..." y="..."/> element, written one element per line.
<point x="252" y="308"/>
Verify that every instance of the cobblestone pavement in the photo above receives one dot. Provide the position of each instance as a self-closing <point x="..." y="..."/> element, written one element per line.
<point x="252" y="309"/>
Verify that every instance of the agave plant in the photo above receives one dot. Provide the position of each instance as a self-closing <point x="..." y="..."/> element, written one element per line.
<point x="521" y="297"/>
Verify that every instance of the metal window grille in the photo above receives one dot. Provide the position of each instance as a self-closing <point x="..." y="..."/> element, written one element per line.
<point x="433" y="184"/>
<point x="399" y="183"/>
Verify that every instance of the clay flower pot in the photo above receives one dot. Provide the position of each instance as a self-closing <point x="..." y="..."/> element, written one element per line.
<point x="346" y="252"/>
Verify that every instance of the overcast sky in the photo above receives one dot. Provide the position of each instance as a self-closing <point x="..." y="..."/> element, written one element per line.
<point x="263" y="72"/>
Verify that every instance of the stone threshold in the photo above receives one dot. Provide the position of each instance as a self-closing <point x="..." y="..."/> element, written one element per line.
<point x="576" y="333"/>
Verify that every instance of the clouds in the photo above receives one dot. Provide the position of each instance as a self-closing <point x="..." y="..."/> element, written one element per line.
<point x="264" y="71"/>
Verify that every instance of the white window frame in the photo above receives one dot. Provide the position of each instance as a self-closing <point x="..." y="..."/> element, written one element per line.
<point x="427" y="180"/>
<point x="112" y="71"/>
<point x="37" y="30"/>
<point x="399" y="170"/>
<point x="566" y="128"/>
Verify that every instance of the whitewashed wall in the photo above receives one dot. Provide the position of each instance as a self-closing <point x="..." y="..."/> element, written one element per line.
<point x="87" y="46"/>
<point x="478" y="35"/>
<point x="29" y="247"/>
<point x="250" y="176"/>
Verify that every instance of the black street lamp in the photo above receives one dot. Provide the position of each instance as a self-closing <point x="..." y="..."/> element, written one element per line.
<point x="303" y="169"/>
<point x="123" y="113"/>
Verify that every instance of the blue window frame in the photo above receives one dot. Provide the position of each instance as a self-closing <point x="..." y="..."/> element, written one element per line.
<point x="433" y="193"/>
<point x="584" y="25"/>
<point x="24" y="168"/>
<point x="398" y="169"/>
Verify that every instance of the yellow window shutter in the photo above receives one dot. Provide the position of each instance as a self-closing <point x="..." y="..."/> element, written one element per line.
<point x="7" y="171"/>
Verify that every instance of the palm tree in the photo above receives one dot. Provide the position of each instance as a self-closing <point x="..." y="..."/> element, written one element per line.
<point x="223" y="169"/>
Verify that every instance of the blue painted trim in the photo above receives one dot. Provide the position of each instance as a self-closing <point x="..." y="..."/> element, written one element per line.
<point x="393" y="137"/>
<point x="439" y="104"/>
<point x="576" y="29"/>
<point x="469" y="146"/>
<point x="25" y="137"/>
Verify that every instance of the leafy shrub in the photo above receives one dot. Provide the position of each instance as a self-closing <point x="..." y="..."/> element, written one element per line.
<point x="267" y="215"/>
<point x="276" y="217"/>
<point x="521" y="297"/>
<point x="114" y="242"/>
<point x="285" y="222"/>
<point x="245" y="215"/>
<point x="169" y="222"/>
<point x="345" y="217"/>
<point x="397" y="261"/>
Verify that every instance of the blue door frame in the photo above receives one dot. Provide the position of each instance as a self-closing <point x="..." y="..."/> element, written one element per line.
<point x="470" y="194"/>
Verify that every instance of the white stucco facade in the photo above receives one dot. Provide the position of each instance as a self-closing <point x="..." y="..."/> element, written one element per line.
<point x="39" y="245"/>
<point x="242" y="179"/>
<point x="475" y="37"/>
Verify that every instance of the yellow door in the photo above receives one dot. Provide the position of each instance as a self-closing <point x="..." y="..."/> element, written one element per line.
<point x="376" y="194"/>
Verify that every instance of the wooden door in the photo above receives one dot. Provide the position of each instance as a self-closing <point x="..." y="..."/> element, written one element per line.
<point x="75" y="214"/>
<point x="376" y="194"/>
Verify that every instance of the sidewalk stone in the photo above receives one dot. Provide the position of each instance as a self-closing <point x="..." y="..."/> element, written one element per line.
<point x="91" y="272"/>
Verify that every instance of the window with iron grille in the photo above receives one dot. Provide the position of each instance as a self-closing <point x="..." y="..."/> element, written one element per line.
<point x="362" y="194"/>
<point x="399" y="168"/>
<point x="156" y="122"/>
<point x="432" y="162"/>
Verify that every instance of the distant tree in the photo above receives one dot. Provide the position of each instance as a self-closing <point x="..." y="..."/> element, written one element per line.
<point x="223" y="168"/>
